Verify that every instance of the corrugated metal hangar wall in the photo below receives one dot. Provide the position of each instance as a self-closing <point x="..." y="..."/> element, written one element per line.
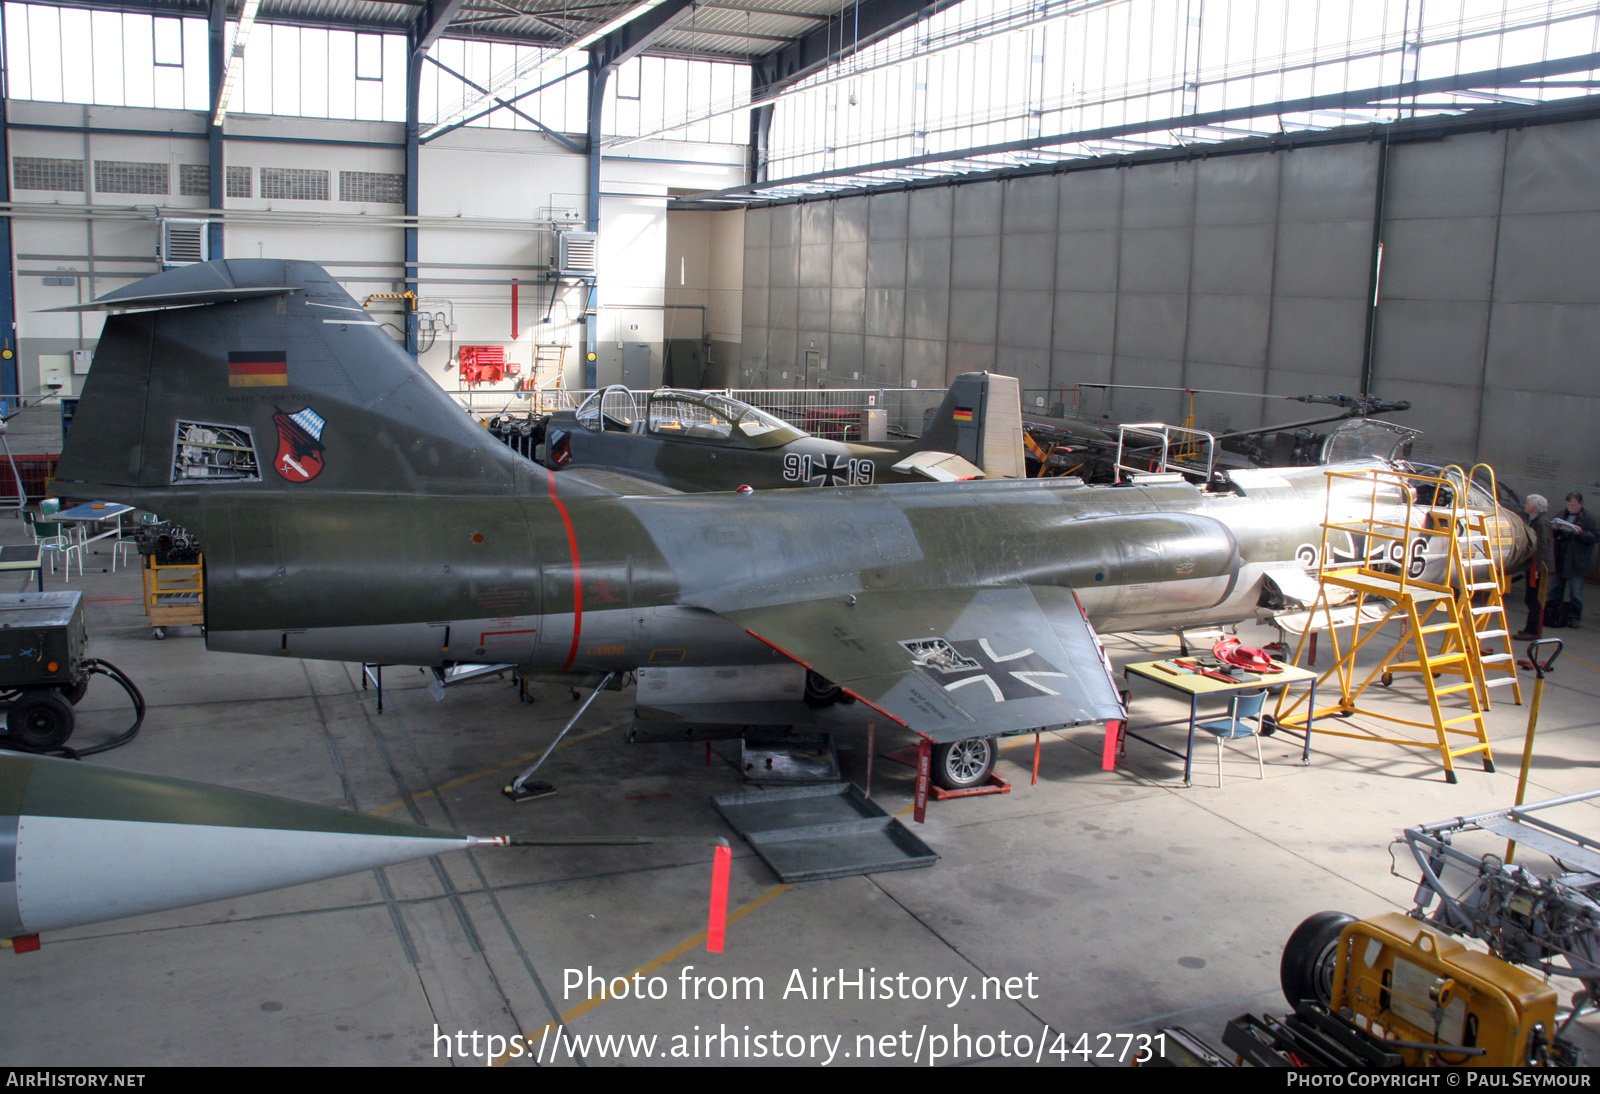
<point x="1243" y="272"/>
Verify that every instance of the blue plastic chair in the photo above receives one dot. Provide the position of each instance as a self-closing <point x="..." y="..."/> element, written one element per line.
<point x="1242" y="720"/>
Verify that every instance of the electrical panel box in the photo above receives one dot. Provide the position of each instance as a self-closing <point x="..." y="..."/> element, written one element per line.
<point x="81" y="359"/>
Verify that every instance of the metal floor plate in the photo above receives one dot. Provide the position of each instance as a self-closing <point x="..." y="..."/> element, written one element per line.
<point x="807" y="833"/>
<point x="788" y="758"/>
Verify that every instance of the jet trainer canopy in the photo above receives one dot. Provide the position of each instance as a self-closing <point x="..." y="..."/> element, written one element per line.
<point x="676" y="413"/>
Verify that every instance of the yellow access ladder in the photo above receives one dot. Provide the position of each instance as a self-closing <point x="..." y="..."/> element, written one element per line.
<point x="1409" y="554"/>
<point x="1484" y="588"/>
<point x="547" y="376"/>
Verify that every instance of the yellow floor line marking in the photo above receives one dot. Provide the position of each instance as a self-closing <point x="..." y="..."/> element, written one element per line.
<point x="519" y="762"/>
<point x="645" y="970"/>
<point x="1581" y="661"/>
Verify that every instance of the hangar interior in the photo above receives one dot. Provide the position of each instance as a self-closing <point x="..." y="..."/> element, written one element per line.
<point x="1113" y="201"/>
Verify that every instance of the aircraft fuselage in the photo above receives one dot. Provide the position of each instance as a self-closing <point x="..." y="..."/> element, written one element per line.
<point x="590" y="584"/>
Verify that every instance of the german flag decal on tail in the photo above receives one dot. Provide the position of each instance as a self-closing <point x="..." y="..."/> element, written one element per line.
<point x="258" y="368"/>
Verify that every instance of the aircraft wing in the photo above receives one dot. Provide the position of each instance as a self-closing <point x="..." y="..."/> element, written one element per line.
<point x="952" y="663"/>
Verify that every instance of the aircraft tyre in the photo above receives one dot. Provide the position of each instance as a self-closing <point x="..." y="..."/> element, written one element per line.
<point x="962" y="765"/>
<point x="1309" y="956"/>
<point x="40" y="720"/>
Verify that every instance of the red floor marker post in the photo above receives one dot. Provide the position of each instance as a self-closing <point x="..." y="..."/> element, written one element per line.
<point x="1035" y="760"/>
<point x="1108" y="753"/>
<point x="717" y="920"/>
<point x="924" y="771"/>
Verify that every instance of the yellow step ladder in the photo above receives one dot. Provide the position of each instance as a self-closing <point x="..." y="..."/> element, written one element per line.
<point x="1484" y="589"/>
<point x="1412" y="529"/>
<point x="547" y="376"/>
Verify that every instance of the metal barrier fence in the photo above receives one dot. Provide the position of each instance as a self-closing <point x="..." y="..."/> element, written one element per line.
<point x="838" y="412"/>
<point x="485" y="403"/>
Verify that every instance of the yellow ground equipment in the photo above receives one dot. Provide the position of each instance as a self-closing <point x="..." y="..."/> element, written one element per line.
<point x="1397" y="990"/>
<point x="174" y="595"/>
<point x="1406" y="981"/>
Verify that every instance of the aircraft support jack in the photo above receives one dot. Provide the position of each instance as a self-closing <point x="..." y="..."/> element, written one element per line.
<point x="520" y="789"/>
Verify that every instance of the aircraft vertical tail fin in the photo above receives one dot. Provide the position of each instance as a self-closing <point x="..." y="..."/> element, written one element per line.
<point x="265" y="376"/>
<point x="980" y="420"/>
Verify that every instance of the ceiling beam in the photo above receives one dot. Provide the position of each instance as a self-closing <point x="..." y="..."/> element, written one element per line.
<point x="431" y="23"/>
<point x="855" y="27"/>
<point x="633" y="37"/>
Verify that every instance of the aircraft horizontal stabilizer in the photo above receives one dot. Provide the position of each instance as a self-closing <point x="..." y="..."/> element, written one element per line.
<point x="939" y="467"/>
<point x="160" y="301"/>
<point x="952" y="663"/>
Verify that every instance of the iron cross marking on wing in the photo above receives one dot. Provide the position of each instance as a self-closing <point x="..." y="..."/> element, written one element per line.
<point x="1007" y="676"/>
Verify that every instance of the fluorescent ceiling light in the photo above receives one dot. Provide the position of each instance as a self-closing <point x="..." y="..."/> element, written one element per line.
<point x="247" y="20"/>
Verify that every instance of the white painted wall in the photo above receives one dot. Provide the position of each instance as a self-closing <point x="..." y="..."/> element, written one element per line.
<point x="490" y="202"/>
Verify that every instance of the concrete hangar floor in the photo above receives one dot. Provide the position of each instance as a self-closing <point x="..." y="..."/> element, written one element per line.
<point x="1093" y="905"/>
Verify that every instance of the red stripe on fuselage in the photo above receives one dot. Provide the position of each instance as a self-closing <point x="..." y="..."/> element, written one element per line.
<point x="577" y="574"/>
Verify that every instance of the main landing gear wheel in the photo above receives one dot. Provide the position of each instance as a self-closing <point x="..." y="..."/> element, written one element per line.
<point x="40" y="721"/>
<point x="962" y="765"/>
<point x="1309" y="957"/>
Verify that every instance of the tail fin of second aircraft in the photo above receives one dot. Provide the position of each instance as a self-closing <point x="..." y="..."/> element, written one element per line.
<point x="265" y="376"/>
<point x="980" y="420"/>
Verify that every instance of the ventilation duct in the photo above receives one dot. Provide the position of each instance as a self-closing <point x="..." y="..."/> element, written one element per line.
<point x="576" y="253"/>
<point x="183" y="242"/>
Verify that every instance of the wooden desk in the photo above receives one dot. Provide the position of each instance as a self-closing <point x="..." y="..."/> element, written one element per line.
<point x="1195" y="685"/>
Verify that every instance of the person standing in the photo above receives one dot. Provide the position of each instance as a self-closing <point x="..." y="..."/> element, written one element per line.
<point x="1576" y="532"/>
<point x="1539" y="567"/>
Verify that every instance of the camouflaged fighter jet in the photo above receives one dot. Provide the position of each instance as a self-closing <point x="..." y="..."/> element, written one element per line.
<point x="350" y="510"/>
<point x="698" y="440"/>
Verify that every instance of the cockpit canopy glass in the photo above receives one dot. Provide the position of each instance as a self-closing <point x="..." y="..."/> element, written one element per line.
<point x="693" y="415"/>
<point x="612" y="409"/>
